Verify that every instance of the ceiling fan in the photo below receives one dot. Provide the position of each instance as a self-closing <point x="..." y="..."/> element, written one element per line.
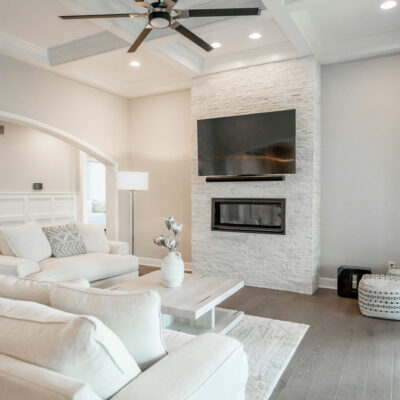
<point x="161" y="14"/>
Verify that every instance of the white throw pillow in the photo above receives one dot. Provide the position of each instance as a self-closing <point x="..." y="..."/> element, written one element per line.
<point x="31" y="290"/>
<point x="94" y="238"/>
<point x="134" y="316"/>
<point x="77" y="346"/>
<point x="98" y="206"/>
<point x="28" y="241"/>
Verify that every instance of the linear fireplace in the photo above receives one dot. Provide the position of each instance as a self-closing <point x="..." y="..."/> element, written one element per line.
<point x="249" y="215"/>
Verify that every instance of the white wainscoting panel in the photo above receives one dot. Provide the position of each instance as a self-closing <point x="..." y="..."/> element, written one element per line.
<point x="44" y="208"/>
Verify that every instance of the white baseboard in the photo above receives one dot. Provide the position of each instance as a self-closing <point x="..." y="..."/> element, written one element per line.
<point x="328" y="283"/>
<point x="325" y="283"/>
<point x="156" y="262"/>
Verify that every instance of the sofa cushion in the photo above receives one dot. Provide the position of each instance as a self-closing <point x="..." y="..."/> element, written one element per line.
<point x="92" y="266"/>
<point x="22" y="380"/>
<point x="65" y="240"/>
<point x="94" y="238"/>
<point x="77" y="346"/>
<point x="134" y="317"/>
<point x="31" y="290"/>
<point x="28" y="241"/>
<point x="16" y="266"/>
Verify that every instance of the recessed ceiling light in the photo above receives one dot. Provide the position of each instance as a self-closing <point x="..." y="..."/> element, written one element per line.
<point x="255" y="35"/>
<point x="135" y="63"/>
<point x="387" y="5"/>
<point x="216" y="45"/>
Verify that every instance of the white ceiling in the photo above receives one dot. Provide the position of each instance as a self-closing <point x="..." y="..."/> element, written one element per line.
<point x="95" y="51"/>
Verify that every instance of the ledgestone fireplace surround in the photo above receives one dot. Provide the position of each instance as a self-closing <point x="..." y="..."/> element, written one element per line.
<point x="288" y="261"/>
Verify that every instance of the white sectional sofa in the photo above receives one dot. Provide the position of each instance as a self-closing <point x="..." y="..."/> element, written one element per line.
<point x="101" y="269"/>
<point x="206" y="367"/>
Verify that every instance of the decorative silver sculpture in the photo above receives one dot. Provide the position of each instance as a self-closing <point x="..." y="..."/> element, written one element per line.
<point x="170" y="242"/>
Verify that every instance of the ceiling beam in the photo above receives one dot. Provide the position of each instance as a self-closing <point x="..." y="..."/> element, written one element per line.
<point x="17" y="47"/>
<point x="303" y="4"/>
<point x="125" y="28"/>
<point x="89" y="46"/>
<point x="282" y="16"/>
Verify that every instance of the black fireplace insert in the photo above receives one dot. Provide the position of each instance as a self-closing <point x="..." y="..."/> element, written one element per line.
<point x="249" y="215"/>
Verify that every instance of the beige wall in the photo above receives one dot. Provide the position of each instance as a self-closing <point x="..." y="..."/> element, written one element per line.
<point x="160" y="144"/>
<point x="98" y="117"/>
<point x="28" y="156"/>
<point x="360" y="216"/>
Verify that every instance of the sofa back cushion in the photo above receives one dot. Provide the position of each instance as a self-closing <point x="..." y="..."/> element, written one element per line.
<point x="16" y="288"/>
<point x="65" y="240"/>
<point x="27" y="241"/>
<point x="77" y="346"/>
<point x="94" y="238"/>
<point x="134" y="317"/>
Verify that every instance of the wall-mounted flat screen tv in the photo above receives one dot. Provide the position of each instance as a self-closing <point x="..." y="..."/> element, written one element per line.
<point x="253" y="144"/>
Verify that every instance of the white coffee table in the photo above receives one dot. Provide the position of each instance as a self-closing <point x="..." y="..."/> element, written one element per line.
<point x="191" y="308"/>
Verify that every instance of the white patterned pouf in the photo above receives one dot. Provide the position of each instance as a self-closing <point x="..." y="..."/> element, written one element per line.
<point x="379" y="296"/>
<point x="394" y="271"/>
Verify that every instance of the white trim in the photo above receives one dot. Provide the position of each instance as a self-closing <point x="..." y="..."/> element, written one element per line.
<point x="156" y="262"/>
<point x="37" y="193"/>
<point x="17" y="208"/>
<point x="328" y="283"/>
<point x="16" y="46"/>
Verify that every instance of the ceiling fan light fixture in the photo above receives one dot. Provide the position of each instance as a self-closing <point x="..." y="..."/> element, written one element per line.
<point x="387" y="5"/>
<point x="255" y="35"/>
<point x="134" y="64"/>
<point x="159" y="19"/>
<point x="216" y="45"/>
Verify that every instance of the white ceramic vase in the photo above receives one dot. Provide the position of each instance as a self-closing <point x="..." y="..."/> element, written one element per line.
<point x="172" y="270"/>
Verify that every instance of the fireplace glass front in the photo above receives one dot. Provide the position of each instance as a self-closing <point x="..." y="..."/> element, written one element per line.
<point x="249" y="215"/>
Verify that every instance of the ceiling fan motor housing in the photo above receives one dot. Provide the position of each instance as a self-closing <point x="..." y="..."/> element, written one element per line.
<point x="159" y="19"/>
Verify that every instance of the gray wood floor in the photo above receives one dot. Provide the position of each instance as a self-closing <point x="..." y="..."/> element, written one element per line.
<point x="344" y="356"/>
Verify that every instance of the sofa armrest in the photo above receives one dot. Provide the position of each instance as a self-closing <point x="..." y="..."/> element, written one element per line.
<point x="16" y="266"/>
<point x="211" y="366"/>
<point x="121" y="248"/>
<point x="22" y="380"/>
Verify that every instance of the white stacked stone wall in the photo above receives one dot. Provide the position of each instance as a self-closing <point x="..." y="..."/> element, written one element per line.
<point x="286" y="262"/>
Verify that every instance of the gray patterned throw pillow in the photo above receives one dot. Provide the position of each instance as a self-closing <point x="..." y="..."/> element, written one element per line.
<point x="65" y="240"/>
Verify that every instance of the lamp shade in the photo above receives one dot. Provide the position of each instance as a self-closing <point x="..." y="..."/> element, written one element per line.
<point x="128" y="180"/>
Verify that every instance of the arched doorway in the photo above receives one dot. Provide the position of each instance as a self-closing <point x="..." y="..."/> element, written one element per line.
<point x="111" y="165"/>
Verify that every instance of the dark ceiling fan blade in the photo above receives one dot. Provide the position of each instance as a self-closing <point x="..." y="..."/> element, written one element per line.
<point x="90" y="16"/>
<point x="139" y="40"/>
<point x="219" y="12"/>
<point x="191" y="36"/>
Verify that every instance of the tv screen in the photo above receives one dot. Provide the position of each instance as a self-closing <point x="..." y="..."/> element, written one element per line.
<point x="254" y="144"/>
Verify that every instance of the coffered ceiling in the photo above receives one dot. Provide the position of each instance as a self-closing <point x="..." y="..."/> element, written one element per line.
<point x="95" y="51"/>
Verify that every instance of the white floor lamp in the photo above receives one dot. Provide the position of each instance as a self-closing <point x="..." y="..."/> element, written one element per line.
<point x="128" y="180"/>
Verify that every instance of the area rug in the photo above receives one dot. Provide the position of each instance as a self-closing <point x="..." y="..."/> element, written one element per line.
<point x="269" y="345"/>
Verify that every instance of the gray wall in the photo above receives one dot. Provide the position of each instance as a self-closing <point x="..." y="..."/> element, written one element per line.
<point x="360" y="214"/>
